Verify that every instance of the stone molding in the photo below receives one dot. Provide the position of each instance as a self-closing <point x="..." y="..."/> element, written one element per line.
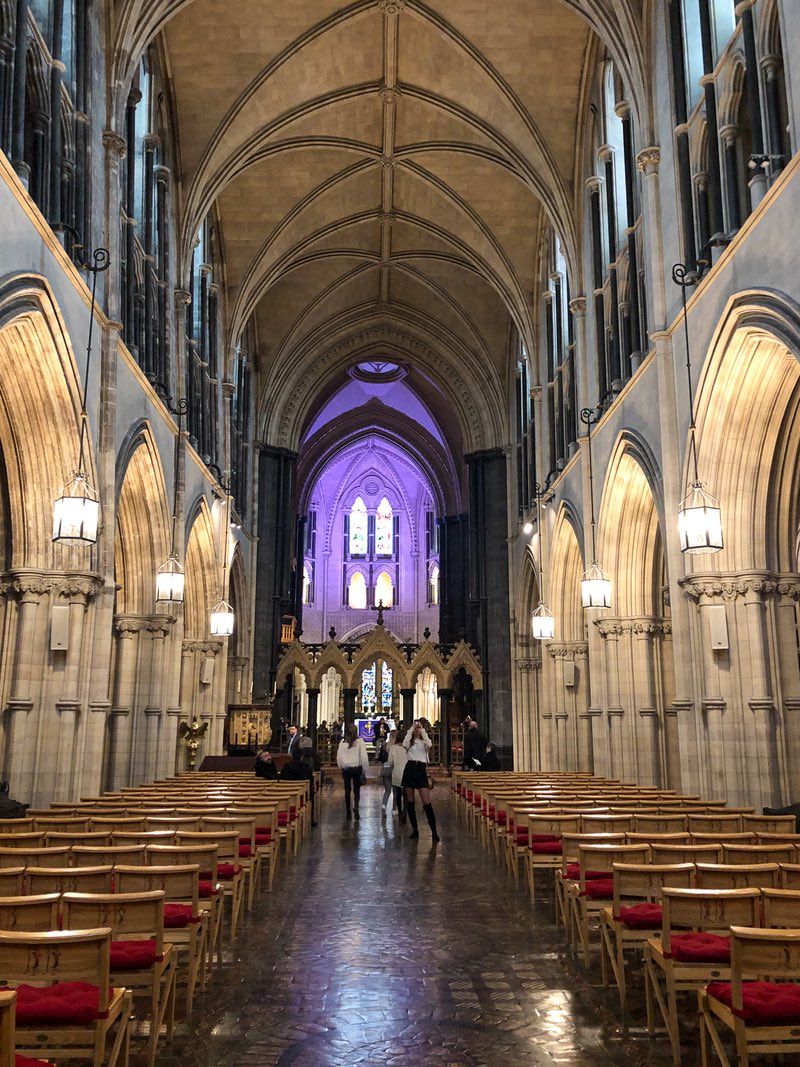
<point x="737" y="584"/>
<point x="32" y="585"/>
<point x="641" y="626"/>
<point x="210" y="646"/>
<point x="525" y="666"/>
<point x="567" y="649"/>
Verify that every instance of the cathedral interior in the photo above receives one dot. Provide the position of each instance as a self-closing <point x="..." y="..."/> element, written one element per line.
<point x="401" y="357"/>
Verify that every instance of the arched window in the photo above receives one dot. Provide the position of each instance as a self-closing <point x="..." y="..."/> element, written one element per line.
<point x="433" y="585"/>
<point x="306" y="583"/>
<point x="357" y="591"/>
<point x="692" y="51"/>
<point x="358" y="529"/>
<point x="384" y="590"/>
<point x="384" y="539"/>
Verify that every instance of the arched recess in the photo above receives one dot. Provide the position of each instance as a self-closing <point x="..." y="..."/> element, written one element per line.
<point x="748" y="419"/>
<point x="566" y="567"/>
<point x="142" y="534"/>
<point x="39" y="422"/>
<point x="238" y="644"/>
<point x="635" y="650"/>
<point x="202" y="574"/>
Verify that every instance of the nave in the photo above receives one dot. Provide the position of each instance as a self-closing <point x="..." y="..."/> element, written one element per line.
<point x="381" y="950"/>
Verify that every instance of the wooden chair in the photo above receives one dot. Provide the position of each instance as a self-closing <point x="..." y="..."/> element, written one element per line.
<point x="763" y="1017"/>
<point x="660" y="824"/>
<point x="46" y="964"/>
<point x="140" y="960"/>
<point x="677" y="853"/>
<point x="229" y="874"/>
<point x="12" y="881"/>
<point x="781" y="908"/>
<point x="107" y="855"/>
<point x="185" y="925"/>
<point x="738" y="876"/>
<point x="70" y="879"/>
<point x="689" y="961"/>
<point x="73" y="824"/>
<point x="267" y="840"/>
<point x="39" y="912"/>
<point x="60" y="839"/>
<point x="716" y="823"/>
<point x="205" y="854"/>
<point x="790" y="875"/>
<point x="34" y="857"/>
<point x="588" y="896"/>
<point x="16" y="826"/>
<point x="770" y="824"/>
<point x="544" y="836"/>
<point x="636" y="912"/>
<point x="568" y="870"/>
<point x="29" y="839"/>
<point x="247" y="855"/>
<point x="750" y="854"/>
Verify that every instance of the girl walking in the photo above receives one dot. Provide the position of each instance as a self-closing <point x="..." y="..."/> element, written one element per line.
<point x="415" y="776"/>
<point x="353" y="761"/>
<point x="398" y="757"/>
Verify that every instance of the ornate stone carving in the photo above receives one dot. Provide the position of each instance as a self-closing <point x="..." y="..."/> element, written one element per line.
<point x="648" y="159"/>
<point x="528" y="665"/>
<point x="730" y="586"/>
<point x="210" y="647"/>
<point x="31" y="586"/>
<point x="392" y="7"/>
<point x="578" y="305"/>
<point x="80" y="588"/>
<point x="114" y="143"/>
<point x="128" y="625"/>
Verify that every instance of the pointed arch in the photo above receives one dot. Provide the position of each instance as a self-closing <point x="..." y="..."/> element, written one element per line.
<point x="201" y="573"/>
<point x="566" y="568"/>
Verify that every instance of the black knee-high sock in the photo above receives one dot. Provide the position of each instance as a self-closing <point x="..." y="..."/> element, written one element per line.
<point x="431" y="815"/>
<point x="411" y="808"/>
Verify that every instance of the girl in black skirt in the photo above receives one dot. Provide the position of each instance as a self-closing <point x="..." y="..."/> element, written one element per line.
<point x="415" y="776"/>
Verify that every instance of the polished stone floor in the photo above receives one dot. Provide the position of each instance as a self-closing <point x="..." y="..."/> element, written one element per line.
<point x="374" y="949"/>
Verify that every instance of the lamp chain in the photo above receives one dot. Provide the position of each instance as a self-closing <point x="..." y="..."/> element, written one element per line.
<point x="539" y="491"/>
<point x="588" y="417"/>
<point x="181" y="409"/>
<point x="101" y="261"/>
<point x="682" y="277"/>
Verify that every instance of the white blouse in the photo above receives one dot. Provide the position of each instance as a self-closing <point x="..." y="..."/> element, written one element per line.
<point x="398" y="757"/>
<point x="418" y="747"/>
<point x="354" y="756"/>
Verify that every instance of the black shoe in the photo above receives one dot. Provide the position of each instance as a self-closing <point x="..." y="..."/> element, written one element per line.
<point x="356" y="816"/>
<point x="403" y="817"/>
<point x="348" y="816"/>
<point x="414" y="833"/>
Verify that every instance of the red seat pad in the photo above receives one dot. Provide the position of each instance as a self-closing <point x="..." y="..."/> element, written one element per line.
<point x="546" y="848"/>
<point x="641" y="916"/>
<point x="599" y="889"/>
<point x="65" y="1002"/>
<point x="226" y="871"/>
<point x="700" y="948"/>
<point x="134" y="955"/>
<point x="264" y="830"/>
<point x="283" y="818"/>
<point x="521" y="836"/>
<point x="245" y="852"/>
<point x="264" y="839"/>
<point x="26" y="1061"/>
<point x="545" y="837"/>
<point x="502" y="816"/>
<point x="207" y="889"/>
<point x="763" y="1003"/>
<point x="176" y="916"/>
<point x="574" y="873"/>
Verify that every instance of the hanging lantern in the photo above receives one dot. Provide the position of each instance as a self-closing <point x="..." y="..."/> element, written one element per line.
<point x="699" y="522"/>
<point x="222" y="619"/>
<point x="528" y="528"/>
<point x="170" y="582"/>
<point x="76" y="513"/>
<point x="543" y="625"/>
<point x="596" y="588"/>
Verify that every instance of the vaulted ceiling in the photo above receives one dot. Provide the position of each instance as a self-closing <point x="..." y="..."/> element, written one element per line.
<point x="382" y="171"/>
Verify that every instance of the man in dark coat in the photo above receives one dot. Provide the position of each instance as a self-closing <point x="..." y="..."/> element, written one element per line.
<point x="298" y="770"/>
<point x="474" y="747"/>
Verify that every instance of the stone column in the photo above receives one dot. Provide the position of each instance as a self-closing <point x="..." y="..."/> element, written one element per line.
<point x="26" y="680"/>
<point x="350" y="706"/>
<point x="766" y="772"/>
<point x="444" y="727"/>
<point x="120" y="752"/>
<point x="65" y="773"/>
<point x="649" y="757"/>
<point x="158" y="628"/>
<point x="619" y="759"/>
<point x="313" y="699"/>
<point x="407" y="696"/>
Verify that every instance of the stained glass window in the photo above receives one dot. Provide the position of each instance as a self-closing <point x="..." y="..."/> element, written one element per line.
<point x="358" y="528"/>
<point x="306" y="584"/>
<point x="384" y="591"/>
<point x="383" y="529"/>
<point x="386" y="688"/>
<point x="368" y="689"/>
<point x="434" y="585"/>
<point x="357" y="591"/>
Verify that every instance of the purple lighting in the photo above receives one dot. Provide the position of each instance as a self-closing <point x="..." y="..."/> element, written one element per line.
<point x="357" y="393"/>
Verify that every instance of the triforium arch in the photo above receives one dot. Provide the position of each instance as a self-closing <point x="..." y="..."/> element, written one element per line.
<point x="527" y="725"/>
<point x="748" y="417"/>
<point x="634" y="737"/>
<point x="45" y="720"/>
<point x="566" y="726"/>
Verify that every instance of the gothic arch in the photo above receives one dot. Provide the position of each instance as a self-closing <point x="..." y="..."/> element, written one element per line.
<point x="748" y="419"/>
<point x="39" y="421"/>
<point x="142" y="534"/>
<point x="202" y="573"/>
<point x="566" y="568"/>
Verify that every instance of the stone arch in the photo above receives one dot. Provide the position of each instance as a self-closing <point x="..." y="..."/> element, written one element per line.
<point x="748" y="426"/>
<point x="566" y="568"/>
<point x="39" y="422"/>
<point x="202" y="584"/>
<point x="142" y="534"/>
<point x="630" y="538"/>
<point x="237" y="597"/>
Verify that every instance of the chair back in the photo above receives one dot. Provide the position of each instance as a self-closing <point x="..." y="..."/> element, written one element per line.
<point x="738" y="876"/>
<point x="227" y="842"/>
<point x="749" y="854"/>
<point x="660" y="824"/>
<point x="70" y="879"/>
<point x="12" y="881"/>
<point x="39" y="912"/>
<point x="72" y="956"/>
<point x="29" y="839"/>
<point x="129" y="915"/>
<point x="710" y="853"/>
<point x="757" y="951"/>
<point x="781" y="908"/>
<point x="144" y="837"/>
<point x="106" y="855"/>
<point x="709" y="910"/>
<point x="790" y="875"/>
<point x="715" y="823"/>
<point x="34" y="857"/>
<point x="72" y="824"/>
<point x="203" y="854"/>
<point x="179" y="884"/>
<point x="770" y="824"/>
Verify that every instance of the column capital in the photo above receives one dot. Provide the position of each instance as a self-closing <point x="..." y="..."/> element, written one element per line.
<point x="115" y="144"/>
<point x="648" y="159"/>
<point x="577" y="306"/>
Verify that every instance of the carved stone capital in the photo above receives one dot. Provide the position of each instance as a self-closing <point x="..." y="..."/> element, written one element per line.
<point x="750" y="584"/>
<point x="80" y="588"/>
<point x="30" y="587"/>
<point x="114" y="144"/>
<point x="209" y="646"/>
<point x="126" y="626"/>
<point x="648" y="159"/>
<point x="609" y="627"/>
<point x="578" y="306"/>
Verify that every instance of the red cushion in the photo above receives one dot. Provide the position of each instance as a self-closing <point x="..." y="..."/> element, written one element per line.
<point x="283" y="818"/>
<point x="491" y="810"/>
<point x="546" y="848"/>
<point x="292" y="811"/>
<point x="226" y="871"/>
<point x="574" y="872"/>
<point x="521" y="836"/>
<point x="764" y="1003"/>
<point x="641" y="916"/>
<point x="26" y="1061"/>
<point x="700" y="948"/>
<point x="207" y="889"/>
<point x="264" y="839"/>
<point x="176" y="916"/>
<point x="263" y="829"/>
<point x="545" y="837"/>
<point x="245" y="852"/>
<point x="134" y="955"/>
<point x="598" y="889"/>
<point x="502" y="816"/>
<point x="66" y="1002"/>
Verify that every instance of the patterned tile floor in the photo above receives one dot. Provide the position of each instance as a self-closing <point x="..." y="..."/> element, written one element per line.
<point x="374" y="949"/>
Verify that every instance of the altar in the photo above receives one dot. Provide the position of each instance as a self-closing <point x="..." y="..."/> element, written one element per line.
<point x="366" y="727"/>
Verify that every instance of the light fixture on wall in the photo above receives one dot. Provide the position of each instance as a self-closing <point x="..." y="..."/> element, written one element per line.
<point x="699" y="514"/>
<point x="76" y="513"/>
<point x="595" y="584"/>
<point x="222" y="617"/>
<point x="171" y="577"/>
<point x="543" y="625"/>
